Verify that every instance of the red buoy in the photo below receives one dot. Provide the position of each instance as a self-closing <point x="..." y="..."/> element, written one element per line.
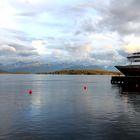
<point x="85" y="87"/>
<point x="30" y="91"/>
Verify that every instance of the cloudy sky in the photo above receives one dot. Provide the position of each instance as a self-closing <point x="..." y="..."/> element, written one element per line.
<point x="81" y="31"/>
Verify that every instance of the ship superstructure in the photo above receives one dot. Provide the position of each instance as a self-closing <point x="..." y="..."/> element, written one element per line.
<point x="133" y="69"/>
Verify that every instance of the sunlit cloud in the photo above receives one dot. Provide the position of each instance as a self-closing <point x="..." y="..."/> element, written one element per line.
<point x="40" y="46"/>
<point x="132" y="44"/>
<point x="7" y="48"/>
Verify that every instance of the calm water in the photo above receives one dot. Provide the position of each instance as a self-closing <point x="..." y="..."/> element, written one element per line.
<point x="60" y="109"/>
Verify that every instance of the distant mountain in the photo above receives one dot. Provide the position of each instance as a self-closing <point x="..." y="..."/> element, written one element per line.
<point x="110" y="68"/>
<point x="2" y="71"/>
<point x="38" y="67"/>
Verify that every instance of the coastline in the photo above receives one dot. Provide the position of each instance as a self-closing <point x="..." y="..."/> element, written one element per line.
<point x="71" y="72"/>
<point x="82" y="72"/>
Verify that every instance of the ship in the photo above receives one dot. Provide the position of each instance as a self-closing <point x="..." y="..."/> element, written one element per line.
<point x="133" y="68"/>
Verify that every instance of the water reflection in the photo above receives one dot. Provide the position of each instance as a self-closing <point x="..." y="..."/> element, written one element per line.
<point x="131" y="100"/>
<point x="129" y="95"/>
<point x="127" y="120"/>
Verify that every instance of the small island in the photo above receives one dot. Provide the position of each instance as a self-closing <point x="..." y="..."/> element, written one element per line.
<point x="83" y="72"/>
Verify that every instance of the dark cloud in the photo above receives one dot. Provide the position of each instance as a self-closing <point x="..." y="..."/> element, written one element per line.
<point x="116" y="16"/>
<point x="88" y="25"/>
<point x="123" y="17"/>
<point x="27" y="53"/>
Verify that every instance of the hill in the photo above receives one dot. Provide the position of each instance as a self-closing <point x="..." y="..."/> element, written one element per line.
<point x="84" y="72"/>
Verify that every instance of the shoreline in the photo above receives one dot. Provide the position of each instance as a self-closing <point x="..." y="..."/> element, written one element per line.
<point x="82" y="72"/>
<point x="71" y="72"/>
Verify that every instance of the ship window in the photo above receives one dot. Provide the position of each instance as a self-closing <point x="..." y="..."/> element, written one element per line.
<point x="136" y="60"/>
<point x="136" y="53"/>
<point x="137" y="56"/>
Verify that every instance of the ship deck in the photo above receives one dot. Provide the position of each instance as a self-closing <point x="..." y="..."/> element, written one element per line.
<point x="128" y="83"/>
<point x="121" y="80"/>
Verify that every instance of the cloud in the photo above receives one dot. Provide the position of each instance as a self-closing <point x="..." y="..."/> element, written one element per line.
<point x="132" y="43"/>
<point x="27" y="53"/>
<point x="113" y="29"/>
<point x="15" y="46"/>
<point x="88" y="25"/>
<point x="79" y="49"/>
<point x="98" y="32"/>
<point x="108" y="57"/>
<point x="116" y="16"/>
<point x="40" y="46"/>
<point x="122" y="17"/>
<point x="6" y="48"/>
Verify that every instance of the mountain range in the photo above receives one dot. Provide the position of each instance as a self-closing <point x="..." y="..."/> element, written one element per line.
<point x="38" y="67"/>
